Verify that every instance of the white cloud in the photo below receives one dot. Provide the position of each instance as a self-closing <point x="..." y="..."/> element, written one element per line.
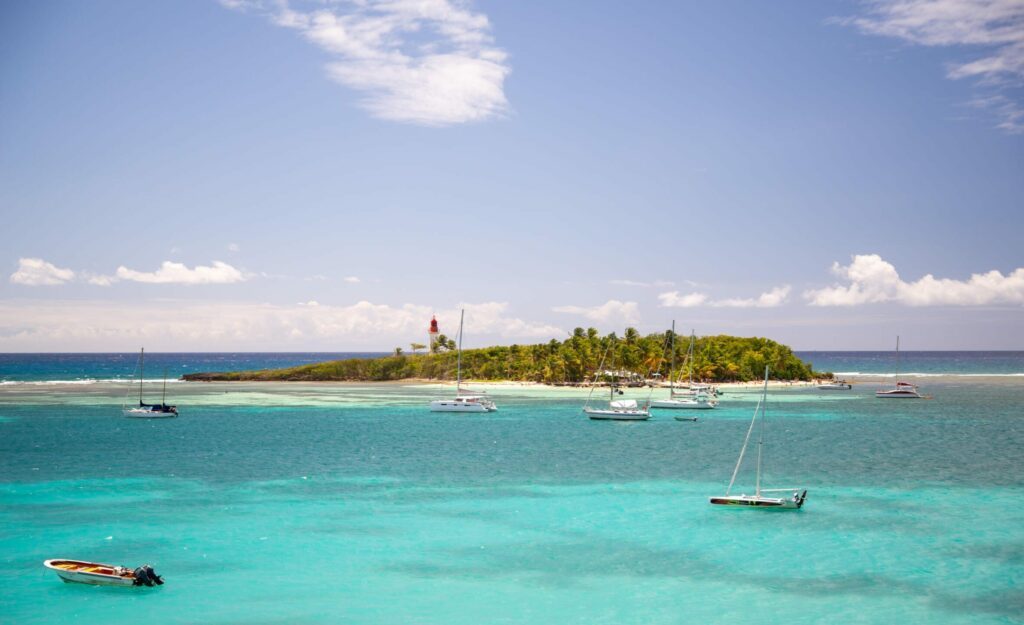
<point x="429" y="62"/>
<point x="103" y="325"/>
<point x="771" y="299"/>
<point x="38" y="272"/>
<point x="656" y="283"/>
<point x="177" y="273"/>
<point x="690" y="300"/>
<point x="996" y="25"/>
<point x="101" y="280"/>
<point x="352" y="279"/>
<point x="872" y="280"/>
<point x="612" y="311"/>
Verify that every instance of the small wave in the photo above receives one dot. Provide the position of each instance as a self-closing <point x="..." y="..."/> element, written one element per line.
<point x="928" y="375"/>
<point x="82" y="382"/>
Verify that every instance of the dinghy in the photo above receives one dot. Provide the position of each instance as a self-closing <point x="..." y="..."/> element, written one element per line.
<point x="96" y="574"/>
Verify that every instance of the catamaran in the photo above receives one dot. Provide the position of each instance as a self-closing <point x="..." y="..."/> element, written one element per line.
<point x="693" y="398"/>
<point x="902" y="390"/>
<point x="149" y="411"/>
<point x="796" y="497"/>
<point x="464" y="401"/>
<point x="618" y="409"/>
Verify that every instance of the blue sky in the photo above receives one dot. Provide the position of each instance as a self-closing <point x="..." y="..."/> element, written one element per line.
<point x="253" y="175"/>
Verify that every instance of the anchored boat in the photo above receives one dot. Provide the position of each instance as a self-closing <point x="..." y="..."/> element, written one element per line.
<point x="902" y="390"/>
<point x="97" y="574"/>
<point x="463" y="401"/>
<point x="150" y="411"/>
<point x="692" y="399"/>
<point x="795" y="498"/>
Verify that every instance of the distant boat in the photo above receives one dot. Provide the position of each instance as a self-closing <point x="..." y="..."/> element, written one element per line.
<point x="618" y="409"/>
<point x="835" y="385"/>
<point x="695" y="398"/>
<point x="96" y="574"/>
<point x="150" y="411"/>
<point x="902" y="390"/>
<point x="793" y="502"/>
<point x="463" y="401"/>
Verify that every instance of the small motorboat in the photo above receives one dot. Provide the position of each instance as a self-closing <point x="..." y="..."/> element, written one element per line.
<point x="81" y="572"/>
<point x="835" y="385"/>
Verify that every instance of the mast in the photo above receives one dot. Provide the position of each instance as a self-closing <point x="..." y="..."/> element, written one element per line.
<point x="760" y="442"/>
<point x="897" y="360"/>
<point x="671" y="378"/>
<point x="458" y="380"/>
<point x="142" y="371"/>
<point x="689" y="369"/>
<point x="163" y="398"/>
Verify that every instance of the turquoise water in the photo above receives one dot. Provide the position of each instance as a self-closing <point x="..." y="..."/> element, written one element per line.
<point x="304" y="503"/>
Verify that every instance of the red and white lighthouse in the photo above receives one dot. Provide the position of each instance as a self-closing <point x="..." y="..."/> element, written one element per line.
<point x="432" y="334"/>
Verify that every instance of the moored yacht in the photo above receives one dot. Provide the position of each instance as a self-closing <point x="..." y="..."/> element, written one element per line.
<point x="464" y="401"/>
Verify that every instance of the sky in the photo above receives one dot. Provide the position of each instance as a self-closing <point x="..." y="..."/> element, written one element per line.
<point x="261" y="175"/>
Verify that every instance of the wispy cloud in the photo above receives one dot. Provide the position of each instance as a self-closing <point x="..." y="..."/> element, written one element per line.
<point x="661" y="284"/>
<point x="997" y="26"/>
<point x="38" y="272"/>
<point x="177" y="273"/>
<point x="770" y="299"/>
<point x="89" y="325"/>
<point x="872" y="280"/>
<point x="612" y="311"/>
<point x="429" y="62"/>
<point x="234" y="247"/>
<point x="352" y="279"/>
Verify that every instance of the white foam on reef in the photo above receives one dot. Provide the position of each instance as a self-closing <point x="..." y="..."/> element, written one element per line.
<point x="84" y="381"/>
<point x="913" y="374"/>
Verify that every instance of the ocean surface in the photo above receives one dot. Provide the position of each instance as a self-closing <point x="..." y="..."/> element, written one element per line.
<point x="345" y="503"/>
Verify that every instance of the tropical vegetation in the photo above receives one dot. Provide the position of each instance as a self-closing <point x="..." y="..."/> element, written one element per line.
<point x="715" y="359"/>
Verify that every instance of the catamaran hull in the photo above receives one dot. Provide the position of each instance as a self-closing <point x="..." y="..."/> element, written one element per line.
<point x="450" y="406"/>
<point x="897" y="395"/>
<point x="617" y="415"/>
<point x="149" y="414"/>
<point x="750" y="501"/>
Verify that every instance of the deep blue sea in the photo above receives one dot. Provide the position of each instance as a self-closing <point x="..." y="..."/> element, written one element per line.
<point x="274" y="503"/>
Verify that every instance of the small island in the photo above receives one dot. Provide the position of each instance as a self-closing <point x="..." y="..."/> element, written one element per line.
<point x="573" y="361"/>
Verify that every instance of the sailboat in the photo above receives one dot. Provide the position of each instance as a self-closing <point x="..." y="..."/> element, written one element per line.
<point x="463" y="402"/>
<point x="758" y="500"/>
<point x="902" y="390"/>
<point x="693" y="399"/>
<point x="618" y="409"/>
<point x="150" y="411"/>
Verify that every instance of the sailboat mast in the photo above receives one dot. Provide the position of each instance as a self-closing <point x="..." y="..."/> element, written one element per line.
<point x="760" y="442"/>
<point x="897" y="360"/>
<point x="163" y="398"/>
<point x="458" y="378"/>
<point x="671" y="377"/>
<point x="142" y="371"/>
<point x="689" y="369"/>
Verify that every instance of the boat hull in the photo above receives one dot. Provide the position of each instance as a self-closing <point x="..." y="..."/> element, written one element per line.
<point x="92" y="573"/>
<point x="617" y="415"/>
<point x="898" y="395"/>
<point x="683" y="404"/>
<point x="442" y="405"/>
<point x="834" y="387"/>
<point x="766" y="503"/>
<point x="141" y="413"/>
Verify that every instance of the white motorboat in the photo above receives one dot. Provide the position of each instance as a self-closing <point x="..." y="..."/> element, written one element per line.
<point x="835" y="385"/>
<point x="96" y="574"/>
<point x="149" y="411"/>
<point x="902" y="390"/>
<point x="795" y="498"/>
<point x="463" y="401"/>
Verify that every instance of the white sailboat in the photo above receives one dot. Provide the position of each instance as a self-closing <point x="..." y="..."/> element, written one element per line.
<point x="796" y="497"/>
<point x="618" y="409"/>
<point x="902" y="390"/>
<point x="463" y="401"/>
<point x="693" y="398"/>
<point x="149" y="411"/>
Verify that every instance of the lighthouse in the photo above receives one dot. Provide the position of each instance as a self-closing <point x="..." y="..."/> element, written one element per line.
<point x="432" y="334"/>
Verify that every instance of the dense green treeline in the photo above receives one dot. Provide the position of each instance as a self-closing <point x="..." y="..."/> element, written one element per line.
<point x="716" y="359"/>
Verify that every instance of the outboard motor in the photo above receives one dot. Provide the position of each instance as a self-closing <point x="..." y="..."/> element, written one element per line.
<point x="146" y="576"/>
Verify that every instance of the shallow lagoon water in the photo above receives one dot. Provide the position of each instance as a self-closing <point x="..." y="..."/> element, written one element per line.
<point x="306" y="503"/>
